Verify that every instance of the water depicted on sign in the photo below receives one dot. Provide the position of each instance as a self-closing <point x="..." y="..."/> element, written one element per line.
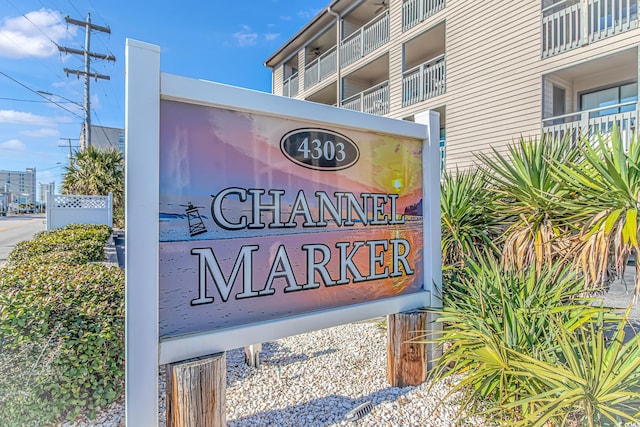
<point x="286" y="218"/>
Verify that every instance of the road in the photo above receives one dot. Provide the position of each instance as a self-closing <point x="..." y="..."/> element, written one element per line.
<point x="16" y="228"/>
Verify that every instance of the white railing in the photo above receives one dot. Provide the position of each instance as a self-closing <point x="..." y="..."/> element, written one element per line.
<point x="424" y="81"/>
<point x="320" y="68"/>
<point x="569" y="24"/>
<point x="416" y="11"/>
<point x="562" y="29"/>
<point x="608" y="17"/>
<point x="65" y="209"/>
<point x="290" y="86"/>
<point x="374" y="100"/>
<point x="592" y="122"/>
<point x="368" y="38"/>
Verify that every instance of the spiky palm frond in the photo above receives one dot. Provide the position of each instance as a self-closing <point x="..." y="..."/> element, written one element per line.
<point x="606" y="183"/>
<point x="467" y="222"/>
<point x="538" y="226"/>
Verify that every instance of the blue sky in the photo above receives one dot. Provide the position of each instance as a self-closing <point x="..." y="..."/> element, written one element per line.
<point x="222" y="41"/>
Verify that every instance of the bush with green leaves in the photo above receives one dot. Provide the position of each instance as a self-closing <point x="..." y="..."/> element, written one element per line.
<point x="81" y="243"/>
<point x="62" y="330"/>
<point x="528" y="349"/>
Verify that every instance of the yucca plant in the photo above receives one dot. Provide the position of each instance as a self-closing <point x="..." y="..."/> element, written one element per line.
<point x="586" y="377"/>
<point x="538" y="229"/>
<point x="492" y="317"/>
<point x="467" y="221"/>
<point x="606" y="183"/>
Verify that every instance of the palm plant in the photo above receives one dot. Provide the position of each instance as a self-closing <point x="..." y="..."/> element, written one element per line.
<point x="537" y="226"/>
<point x="95" y="171"/>
<point x="587" y="377"/>
<point x="467" y="222"/>
<point x="494" y="316"/>
<point x="606" y="182"/>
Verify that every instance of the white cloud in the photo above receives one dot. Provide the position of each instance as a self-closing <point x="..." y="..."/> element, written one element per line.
<point x="33" y="34"/>
<point x="41" y="133"/>
<point x="13" y="145"/>
<point x="20" y="117"/>
<point x="246" y="37"/>
<point x="271" y="36"/>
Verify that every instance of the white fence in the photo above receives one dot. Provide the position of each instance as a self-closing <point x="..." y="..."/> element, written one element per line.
<point x="65" y="209"/>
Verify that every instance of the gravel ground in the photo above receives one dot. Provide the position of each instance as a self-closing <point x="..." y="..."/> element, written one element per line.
<point x="315" y="379"/>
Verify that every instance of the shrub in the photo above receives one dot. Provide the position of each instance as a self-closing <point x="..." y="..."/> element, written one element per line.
<point x="87" y="240"/>
<point x="495" y="318"/>
<point x="62" y="328"/>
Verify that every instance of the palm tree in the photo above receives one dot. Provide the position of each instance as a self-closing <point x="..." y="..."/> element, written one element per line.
<point x="527" y="196"/>
<point x="95" y="171"/>
<point x="606" y="182"/>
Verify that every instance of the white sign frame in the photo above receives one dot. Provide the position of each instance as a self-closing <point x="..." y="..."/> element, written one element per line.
<point x="145" y="87"/>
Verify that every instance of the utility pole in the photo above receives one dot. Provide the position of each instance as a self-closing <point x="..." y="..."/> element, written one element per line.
<point x="87" y="68"/>
<point x="68" y="144"/>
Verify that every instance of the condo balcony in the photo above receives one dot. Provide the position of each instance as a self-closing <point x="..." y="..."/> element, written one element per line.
<point x="568" y="24"/>
<point x="365" y="39"/>
<point x="416" y="11"/>
<point x="374" y="100"/>
<point x="595" y="121"/>
<point x="320" y="68"/>
<point x="590" y="97"/>
<point x="365" y="30"/>
<point x="424" y="81"/>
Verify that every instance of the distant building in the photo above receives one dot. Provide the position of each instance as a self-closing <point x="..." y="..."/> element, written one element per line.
<point x="46" y="188"/>
<point x="104" y="137"/>
<point x="18" y="187"/>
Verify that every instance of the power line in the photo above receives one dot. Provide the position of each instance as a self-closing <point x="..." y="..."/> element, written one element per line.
<point x="35" y="100"/>
<point x="39" y="94"/>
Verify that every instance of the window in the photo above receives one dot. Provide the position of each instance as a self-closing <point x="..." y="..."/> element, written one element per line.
<point x="612" y="97"/>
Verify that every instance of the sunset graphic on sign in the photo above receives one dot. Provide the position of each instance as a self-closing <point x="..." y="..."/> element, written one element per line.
<point x="275" y="238"/>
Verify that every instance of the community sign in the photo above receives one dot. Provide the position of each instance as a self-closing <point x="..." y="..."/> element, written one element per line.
<point x="252" y="216"/>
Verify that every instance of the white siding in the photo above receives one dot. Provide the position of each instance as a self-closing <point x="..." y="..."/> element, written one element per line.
<point x="277" y="79"/>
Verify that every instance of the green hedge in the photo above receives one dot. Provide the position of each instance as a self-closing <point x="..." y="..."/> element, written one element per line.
<point x="61" y="328"/>
<point x="65" y="326"/>
<point x="87" y="241"/>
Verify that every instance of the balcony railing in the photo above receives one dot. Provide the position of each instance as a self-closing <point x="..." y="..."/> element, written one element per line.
<point x="416" y="11"/>
<point x="368" y="38"/>
<point x="567" y="24"/>
<point x="290" y="86"/>
<point x="424" y="81"/>
<point x="591" y="122"/>
<point x="320" y="68"/>
<point x="608" y="17"/>
<point x="374" y="100"/>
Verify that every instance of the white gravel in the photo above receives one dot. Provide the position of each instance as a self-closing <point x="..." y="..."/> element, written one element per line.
<point x="315" y="379"/>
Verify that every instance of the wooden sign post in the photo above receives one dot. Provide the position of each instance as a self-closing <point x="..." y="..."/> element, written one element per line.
<point x="196" y="392"/>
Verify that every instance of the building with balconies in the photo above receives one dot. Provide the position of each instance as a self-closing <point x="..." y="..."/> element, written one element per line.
<point x="495" y="70"/>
